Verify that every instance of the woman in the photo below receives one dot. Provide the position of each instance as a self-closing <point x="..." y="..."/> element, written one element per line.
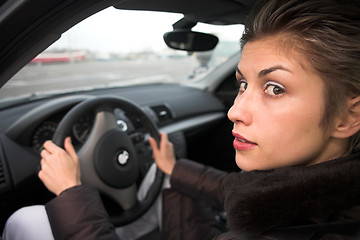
<point x="296" y="136"/>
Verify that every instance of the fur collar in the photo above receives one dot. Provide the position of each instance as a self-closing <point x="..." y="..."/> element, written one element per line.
<point x="259" y="201"/>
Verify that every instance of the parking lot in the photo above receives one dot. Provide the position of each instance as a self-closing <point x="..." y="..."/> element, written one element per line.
<point x="40" y="78"/>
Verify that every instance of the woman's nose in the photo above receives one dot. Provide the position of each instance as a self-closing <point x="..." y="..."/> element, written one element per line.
<point x="241" y="109"/>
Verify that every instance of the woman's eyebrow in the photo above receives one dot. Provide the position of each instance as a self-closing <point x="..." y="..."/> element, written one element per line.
<point x="238" y="71"/>
<point x="266" y="71"/>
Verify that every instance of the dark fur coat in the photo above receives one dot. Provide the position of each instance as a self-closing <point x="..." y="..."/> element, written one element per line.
<point x="259" y="201"/>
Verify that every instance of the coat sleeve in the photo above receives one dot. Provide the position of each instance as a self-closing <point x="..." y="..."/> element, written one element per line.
<point x="198" y="181"/>
<point x="78" y="213"/>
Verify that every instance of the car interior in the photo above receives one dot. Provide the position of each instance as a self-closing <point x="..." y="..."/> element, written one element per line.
<point x="122" y="112"/>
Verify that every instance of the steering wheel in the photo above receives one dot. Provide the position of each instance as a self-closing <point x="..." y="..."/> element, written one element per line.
<point x="108" y="159"/>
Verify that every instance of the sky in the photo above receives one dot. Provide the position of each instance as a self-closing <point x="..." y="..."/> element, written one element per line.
<point x="114" y="30"/>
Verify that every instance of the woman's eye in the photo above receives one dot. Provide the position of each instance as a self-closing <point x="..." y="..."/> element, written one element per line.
<point x="273" y="89"/>
<point x="242" y="86"/>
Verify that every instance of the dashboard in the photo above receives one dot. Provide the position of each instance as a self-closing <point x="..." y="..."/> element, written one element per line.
<point x="175" y="110"/>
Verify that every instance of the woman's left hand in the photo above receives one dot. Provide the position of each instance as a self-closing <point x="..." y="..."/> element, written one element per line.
<point x="164" y="154"/>
<point x="60" y="168"/>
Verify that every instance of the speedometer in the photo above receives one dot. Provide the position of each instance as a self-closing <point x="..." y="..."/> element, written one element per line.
<point x="44" y="132"/>
<point x="82" y="127"/>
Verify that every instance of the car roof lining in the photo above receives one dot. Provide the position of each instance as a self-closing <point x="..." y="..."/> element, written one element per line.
<point x="221" y="12"/>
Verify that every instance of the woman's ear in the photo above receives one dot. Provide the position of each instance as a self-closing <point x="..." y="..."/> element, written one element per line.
<point x="349" y="124"/>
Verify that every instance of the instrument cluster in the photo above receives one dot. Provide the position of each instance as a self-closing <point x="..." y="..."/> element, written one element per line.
<point x="82" y="128"/>
<point x="80" y="131"/>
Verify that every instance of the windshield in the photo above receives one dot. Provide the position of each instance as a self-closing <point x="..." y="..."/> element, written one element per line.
<point x="117" y="48"/>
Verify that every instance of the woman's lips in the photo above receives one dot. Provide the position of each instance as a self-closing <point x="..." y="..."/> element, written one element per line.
<point x="241" y="143"/>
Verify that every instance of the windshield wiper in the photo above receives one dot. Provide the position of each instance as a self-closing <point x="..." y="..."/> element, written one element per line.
<point x="9" y="102"/>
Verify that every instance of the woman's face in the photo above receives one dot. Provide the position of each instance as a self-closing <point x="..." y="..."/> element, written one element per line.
<point x="278" y="110"/>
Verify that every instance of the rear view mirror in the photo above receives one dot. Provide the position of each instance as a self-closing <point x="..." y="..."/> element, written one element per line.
<point x="187" y="40"/>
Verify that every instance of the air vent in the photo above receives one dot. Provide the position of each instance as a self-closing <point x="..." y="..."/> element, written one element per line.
<point x="2" y="176"/>
<point x="163" y="113"/>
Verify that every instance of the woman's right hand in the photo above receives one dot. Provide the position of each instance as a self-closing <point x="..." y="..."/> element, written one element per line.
<point x="164" y="156"/>
<point x="60" y="168"/>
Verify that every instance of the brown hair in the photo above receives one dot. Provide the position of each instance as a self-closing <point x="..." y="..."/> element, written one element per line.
<point x="327" y="32"/>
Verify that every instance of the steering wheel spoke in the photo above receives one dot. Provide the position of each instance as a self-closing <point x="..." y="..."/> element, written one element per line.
<point x="126" y="197"/>
<point x="104" y="121"/>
